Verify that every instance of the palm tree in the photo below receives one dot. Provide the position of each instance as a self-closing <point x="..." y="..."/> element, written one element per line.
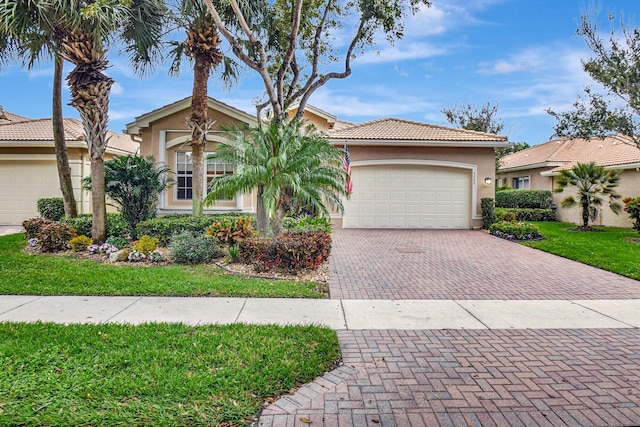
<point x="202" y="48"/>
<point x="283" y="157"/>
<point x="28" y="28"/>
<point x="135" y="184"/>
<point x="82" y="34"/>
<point x="590" y="182"/>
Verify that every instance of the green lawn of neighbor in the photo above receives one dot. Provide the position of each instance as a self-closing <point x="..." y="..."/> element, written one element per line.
<point x="26" y="274"/>
<point x="611" y="249"/>
<point x="153" y="374"/>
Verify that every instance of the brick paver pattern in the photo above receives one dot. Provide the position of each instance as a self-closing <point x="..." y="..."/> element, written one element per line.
<point x="459" y="264"/>
<point x="477" y="378"/>
<point x="574" y="377"/>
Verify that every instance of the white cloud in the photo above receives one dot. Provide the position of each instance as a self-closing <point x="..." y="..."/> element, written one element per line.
<point x="375" y="101"/>
<point x="401" y="52"/>
<point x="127" y="115"/>
<point x="117" y="89"/>
<point x="399" y="71"/>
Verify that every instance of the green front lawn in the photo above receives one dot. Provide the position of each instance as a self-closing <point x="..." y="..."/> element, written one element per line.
<point x="25" y="274"/>
<point x="610" y="249"/>
<point x="153" y="374"/>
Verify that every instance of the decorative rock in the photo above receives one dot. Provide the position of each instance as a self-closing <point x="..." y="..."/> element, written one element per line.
<point x="121" y="255"/>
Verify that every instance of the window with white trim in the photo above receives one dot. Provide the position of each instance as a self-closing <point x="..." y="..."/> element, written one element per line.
<point x="184" y="173"/>
<point x="521" y="183"/>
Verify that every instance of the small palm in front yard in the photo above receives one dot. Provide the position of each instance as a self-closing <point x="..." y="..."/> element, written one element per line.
<point x="613" y="249"/>
<point x="591" y="183"/>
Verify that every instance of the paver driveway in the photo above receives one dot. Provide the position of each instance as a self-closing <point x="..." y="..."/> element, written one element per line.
<point x="460" y="264"/>
<point x="545" y="377"/>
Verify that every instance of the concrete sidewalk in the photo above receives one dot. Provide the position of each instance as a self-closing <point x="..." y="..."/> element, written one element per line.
<point x="336" y="314"/>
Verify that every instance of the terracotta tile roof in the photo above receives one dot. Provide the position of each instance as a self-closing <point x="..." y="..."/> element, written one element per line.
<point x="341" y="124"/>
<point x="9" y="118"/>
<point x="41" y="130"/>
<point x="406" y="130"/>
<point x="615" y="150"/>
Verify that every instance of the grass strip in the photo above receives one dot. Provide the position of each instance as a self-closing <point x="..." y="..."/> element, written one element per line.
<point x="153" y="374"/>
<point x="42" y="274"/>
<point x="611" y="249"/>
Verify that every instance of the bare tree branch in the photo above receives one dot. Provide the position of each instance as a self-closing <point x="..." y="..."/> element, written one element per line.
<point x="260" y="67"/>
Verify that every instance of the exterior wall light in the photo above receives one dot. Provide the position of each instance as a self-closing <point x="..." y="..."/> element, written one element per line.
<point x="487" y="181"/>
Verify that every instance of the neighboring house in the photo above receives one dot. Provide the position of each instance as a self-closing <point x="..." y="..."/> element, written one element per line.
<point x="537" y="167"/>
<point x="28" y="169"/>
<point x="405" y="174"/>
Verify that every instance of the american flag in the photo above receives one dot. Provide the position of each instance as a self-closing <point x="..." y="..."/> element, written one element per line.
<point x="348" y="185"/>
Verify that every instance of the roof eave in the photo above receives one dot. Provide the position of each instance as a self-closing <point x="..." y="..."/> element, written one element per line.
<point x="418" y="143"/>
<point x="135" y="127"/>
<point x="624" y="166"/>
<point x="532" y="166"/>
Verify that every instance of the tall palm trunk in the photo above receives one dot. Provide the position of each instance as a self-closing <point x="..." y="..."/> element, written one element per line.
<point x="262" y="221"/>
<point x="62" y="159"/>
<point x="92" y="102"/>
<point x="202" y="45"/>
<point x="90" y="90"/>
<point x="199" y="123"/>
<point x="94" y="111"/>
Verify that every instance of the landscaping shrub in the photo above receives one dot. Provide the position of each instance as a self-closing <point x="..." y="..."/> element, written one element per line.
<point x="515" y="230"/>
<point x="146" y="244"/>
<point x="530" y="199"/>
<point x="80" y="224"/>
<point x="230" y="230"/>
<point x="116" y="225"/>
<point x="307" y="224"/>
<point x="54" y="236"/>
<point x="510" y="214"/>
<point x="165" y="227"/>
<point x="51" y="208"/>
<point x="190" y="247"/>
<point x="80" y="243"/>
<point x="288" y="251"/>
<point x="32" y="226"/>
<point x="117" y="241"/>
<point x="488" y="216"/>
<point x="632" y="207"/>
<point x="135" y="184"/>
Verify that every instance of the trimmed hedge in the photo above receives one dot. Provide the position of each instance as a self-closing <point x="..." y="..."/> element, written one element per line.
<point x="116" y="225"/>
<point x="51" y="208"/>
<point x="488" y="212"/>
<point x="288" y="251"/>
<point x="515" y="231"/>
<point x="307" y="224"/>
<point x="507" y="214"/>
<point x="163" y="228"/>
<point x="528" y="199"/>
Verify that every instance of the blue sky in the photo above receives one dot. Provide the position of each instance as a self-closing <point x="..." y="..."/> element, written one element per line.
<point x="523" y="55"/>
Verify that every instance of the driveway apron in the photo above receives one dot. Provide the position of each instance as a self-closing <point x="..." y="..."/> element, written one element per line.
<point x="460" y="265"/>
<point x="447" y="377"/>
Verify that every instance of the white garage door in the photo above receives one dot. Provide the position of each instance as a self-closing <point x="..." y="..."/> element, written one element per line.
<point x="408" y="196"/>
<point x="21" y="185"/>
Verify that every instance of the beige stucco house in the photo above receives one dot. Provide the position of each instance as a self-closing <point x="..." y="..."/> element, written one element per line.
<point x="28" y="168"/>
<point x="405" y="174"/>
<point x="537" y="167"/>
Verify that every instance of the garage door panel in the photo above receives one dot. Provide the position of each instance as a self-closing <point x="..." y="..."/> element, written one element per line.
<point x="23" y="183"/>
<point x="409" y="196"/>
